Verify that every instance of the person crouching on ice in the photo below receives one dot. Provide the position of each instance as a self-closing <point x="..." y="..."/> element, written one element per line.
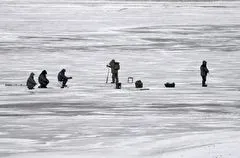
<point x="42" y="79"/>
<point x="31" y="82"/>
<point x="204" y="72"/>
<point x="62" y="78"/>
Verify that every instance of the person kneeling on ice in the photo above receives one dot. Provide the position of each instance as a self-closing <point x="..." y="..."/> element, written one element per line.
<point x="42" y="79"/>
<point x="62" y="78"/>
<point x="31" y="82"/>
<point x="204" y="72"/>
<point x="114" y="70"/>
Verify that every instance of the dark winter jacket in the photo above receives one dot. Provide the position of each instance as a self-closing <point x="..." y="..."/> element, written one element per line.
<point x="42" y="79"/>
<point x="204" y="69"/>
<point x="31" y="82"/>
<point x="113" y="66"/>
<point x="61" y="75"/>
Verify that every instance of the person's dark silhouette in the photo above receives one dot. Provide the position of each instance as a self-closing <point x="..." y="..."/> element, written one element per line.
<point x="42" y="79"/>
<point x="62" y="78"/>
<point x="114" y="70"/>
<point x="31" y="82"/>
<point x="204" y="72"/>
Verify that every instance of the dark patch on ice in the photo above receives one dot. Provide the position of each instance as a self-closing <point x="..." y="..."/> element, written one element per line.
<point x="211" y="111"/>
<point x="54" y="38"/>
<point x="191" y="107"/>
<point x="59" y="107"/>
<point x="122" y="9"/>
<point x="216" y="6"/>
<point x="160" y="39"/>
<point x="194" y="28"/>
<point x="48" y="104"/>
<point x="69" y="39"/>
<point x="156" y="105"/>
<point x="180" y="32"/>
<point x="21" y="115"/>
<point x="141" y="31"/>
<point x="127" y="47"/>
<point x="37" y="37"/>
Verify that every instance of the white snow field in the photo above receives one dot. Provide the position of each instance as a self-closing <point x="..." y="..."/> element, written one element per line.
<point x="155" y="42"/>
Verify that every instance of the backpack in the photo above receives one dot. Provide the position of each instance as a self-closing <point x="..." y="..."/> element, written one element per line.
<point x="138" y="84"/>
<point x="172" y="85"/>
<point x="116" y="66"/>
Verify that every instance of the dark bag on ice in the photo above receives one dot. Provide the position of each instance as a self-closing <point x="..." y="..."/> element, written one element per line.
<point x="138" y="84"/>
<point x="117" y="66"/>
<point x="171" y="85"/>
<point x="118" y="85"/>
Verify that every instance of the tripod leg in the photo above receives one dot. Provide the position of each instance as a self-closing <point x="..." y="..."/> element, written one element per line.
<point x="107" y="76"/>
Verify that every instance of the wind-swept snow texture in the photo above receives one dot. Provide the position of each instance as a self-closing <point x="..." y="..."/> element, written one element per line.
<point x="156" y="42"/>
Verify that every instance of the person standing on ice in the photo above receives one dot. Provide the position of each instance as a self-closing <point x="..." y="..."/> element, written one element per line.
<point x="114" y="70"/>
<point x="204" y="72"/>
<point x="62" y="78"/>
<point x="31" y="82"/>
<point x="42" y="79"/>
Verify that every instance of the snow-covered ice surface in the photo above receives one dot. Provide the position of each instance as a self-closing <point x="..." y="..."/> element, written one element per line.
<point x="156" y="42"/>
